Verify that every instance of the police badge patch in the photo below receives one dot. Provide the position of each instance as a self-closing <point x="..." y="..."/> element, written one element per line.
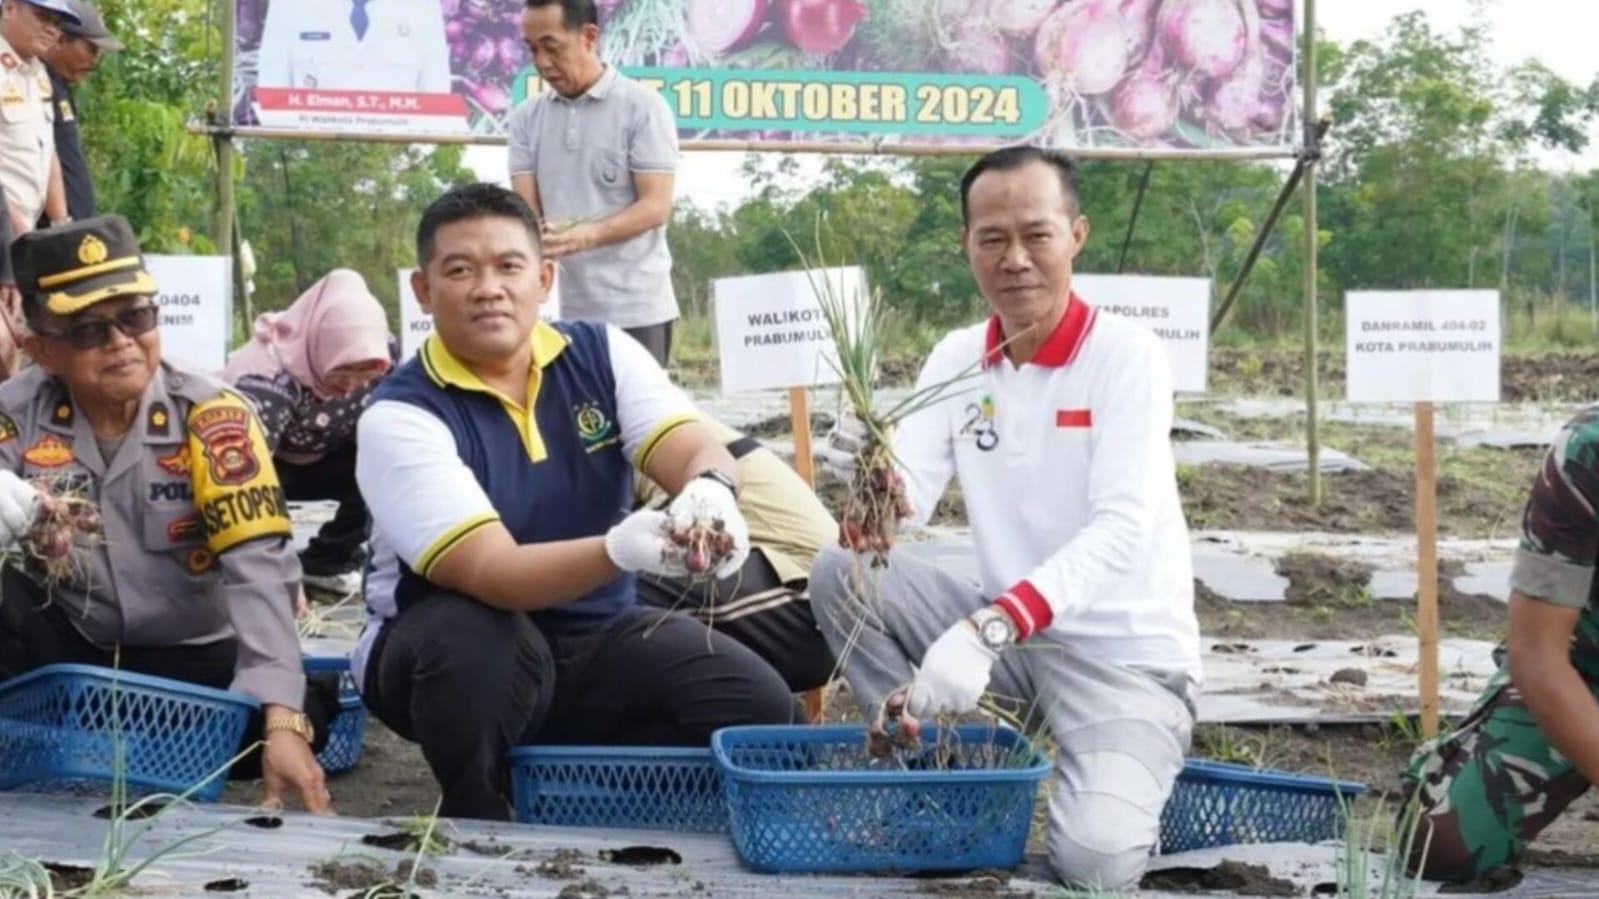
<point x="8" y="428"/>
<point x="224" y="433"/>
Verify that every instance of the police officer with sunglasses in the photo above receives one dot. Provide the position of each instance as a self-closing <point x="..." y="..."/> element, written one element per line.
<point x="194" y="577"/>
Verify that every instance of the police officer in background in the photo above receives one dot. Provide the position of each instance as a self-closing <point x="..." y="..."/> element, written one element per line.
<point x="70" y="61"/>
<point x="195" y="525"/>
<point x="369" y="45"/>
<point x="29" y="172"/>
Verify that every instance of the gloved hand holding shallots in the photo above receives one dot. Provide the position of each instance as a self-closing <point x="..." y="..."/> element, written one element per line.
<point x="705" y="526"/>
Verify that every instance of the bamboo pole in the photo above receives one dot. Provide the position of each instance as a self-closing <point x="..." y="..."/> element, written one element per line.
<point x="1313" y="154"/>
<point x="1427" y="568"/>
<point x="859" y="148"/>
<point x="223" y="114"/>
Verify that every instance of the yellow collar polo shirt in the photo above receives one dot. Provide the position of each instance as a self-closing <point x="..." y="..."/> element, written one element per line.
<point x="440" y="454"/>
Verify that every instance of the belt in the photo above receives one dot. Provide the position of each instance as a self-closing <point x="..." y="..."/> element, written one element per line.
<point x="743" y="446"/>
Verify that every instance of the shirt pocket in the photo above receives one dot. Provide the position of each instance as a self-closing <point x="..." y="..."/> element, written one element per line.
<point x="611" y="179"/>
<point x="175" y="532"/>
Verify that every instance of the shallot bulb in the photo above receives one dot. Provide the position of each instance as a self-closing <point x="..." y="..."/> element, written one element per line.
<point x="1083" y="46"/>
<point x="1206" y="37"/>
<point x="1018" y="17"/>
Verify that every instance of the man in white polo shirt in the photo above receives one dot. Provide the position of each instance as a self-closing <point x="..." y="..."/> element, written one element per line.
<point x="594" y="155"/>
<point x="1084" y="622"/>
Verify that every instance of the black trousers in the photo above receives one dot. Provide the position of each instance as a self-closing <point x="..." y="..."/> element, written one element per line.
<point x="468" y="682"/>
<point x="35" y="633"/>
<point x="336" y="548"/>
<point x="656" y="338"/>
<point x="758" y="610"/>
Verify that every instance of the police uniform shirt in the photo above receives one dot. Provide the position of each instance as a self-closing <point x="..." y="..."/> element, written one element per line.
<point x="313" y="45"/>
<point x="69" y="150"/>
<point x="439" y="455"/>
<point x="197" y="537"/>
<point x="27" y="132"/>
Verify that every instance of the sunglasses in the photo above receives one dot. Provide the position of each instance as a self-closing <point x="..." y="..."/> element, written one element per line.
<point x="94" y="332"/>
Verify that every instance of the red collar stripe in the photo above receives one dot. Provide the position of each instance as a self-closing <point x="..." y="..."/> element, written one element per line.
<point x="1063" y="345"/>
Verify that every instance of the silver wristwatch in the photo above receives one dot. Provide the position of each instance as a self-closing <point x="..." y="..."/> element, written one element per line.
<point x="994" y="628"/>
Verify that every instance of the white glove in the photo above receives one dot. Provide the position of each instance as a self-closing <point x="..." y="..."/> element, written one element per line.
<point x="954" y="673"/>
<point x="639" y="543"/>
<point x="19" y="501"/>
<point x="703" y="501"/>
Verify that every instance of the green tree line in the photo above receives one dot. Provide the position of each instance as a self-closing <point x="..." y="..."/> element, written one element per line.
<point x="1441" y="169"/>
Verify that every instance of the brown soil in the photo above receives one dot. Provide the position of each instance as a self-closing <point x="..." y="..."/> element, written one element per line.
<point x="333" y="876"/>
<point x="68" y="877"/>
<point x="563" y="865"/>
<point x="589" y="889"/>
<point x="1328" y="600"/>
<point x="982" y="886"/>
<point x="1237" y="497"/>
<point x="1549" y="377"/>
<point x="1232" y="877"/>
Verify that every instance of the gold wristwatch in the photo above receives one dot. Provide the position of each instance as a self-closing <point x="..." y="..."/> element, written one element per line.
<point x="293" y="722"/>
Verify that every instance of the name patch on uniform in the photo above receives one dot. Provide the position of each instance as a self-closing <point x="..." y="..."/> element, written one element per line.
<point x="235" y="488"/>
<point x="49" y="452"/>
<point x="224" y="434"/>
<point x="175" y="462"/>
<point x="171" y="491"/>
<point x="593" y="428"/>
<point x="1074" y="418"/>
<point x="187" y="528"/>
<point x="66" y="111"/>
<point x="316" y="35"/>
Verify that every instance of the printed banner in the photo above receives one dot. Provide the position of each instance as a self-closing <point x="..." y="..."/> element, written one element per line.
<point x="771" y="332"/>
<point x="1175" y="74"/>
<point x="195" y="294"/>
<point x="1422" y="346"/>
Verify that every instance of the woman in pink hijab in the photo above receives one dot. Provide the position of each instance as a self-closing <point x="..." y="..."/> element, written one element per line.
<point x="309" y="371"/>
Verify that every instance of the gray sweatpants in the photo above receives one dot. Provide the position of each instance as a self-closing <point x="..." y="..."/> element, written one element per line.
<point x="1120" y="733"/>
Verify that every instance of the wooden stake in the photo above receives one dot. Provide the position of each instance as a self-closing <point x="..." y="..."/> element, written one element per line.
<point x="799" y="417"/>
<point x="1427" y="568"/>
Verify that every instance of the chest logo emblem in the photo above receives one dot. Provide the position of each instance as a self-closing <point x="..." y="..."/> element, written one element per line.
<point x="50" y="452"/>
<point x="177" y="462"/>
<point x="593" y="427"/>
<point x="980" y="424"/>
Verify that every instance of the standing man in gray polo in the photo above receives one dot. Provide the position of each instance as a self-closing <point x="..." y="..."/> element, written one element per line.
<point x="595" y="156"/>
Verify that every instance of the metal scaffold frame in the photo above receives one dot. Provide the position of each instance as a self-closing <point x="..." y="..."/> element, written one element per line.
<point x="1314" y="127"/>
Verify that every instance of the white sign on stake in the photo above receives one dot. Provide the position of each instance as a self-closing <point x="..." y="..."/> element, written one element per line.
<point x="416" y="325"/>
<point x="195" y="294"/>
<point x="1176" y="309"/>
<point x="1423" y="346"/>
<point x="771" y="332"/>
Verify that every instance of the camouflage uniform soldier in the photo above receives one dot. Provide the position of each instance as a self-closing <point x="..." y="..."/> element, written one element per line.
<point x="1530" y="745"/>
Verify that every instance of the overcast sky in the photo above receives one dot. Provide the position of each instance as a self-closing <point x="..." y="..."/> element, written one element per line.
<point x="1564" y="42"/>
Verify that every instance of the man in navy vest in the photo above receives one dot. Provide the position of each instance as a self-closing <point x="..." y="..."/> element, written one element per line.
<point x="498" y="465"/>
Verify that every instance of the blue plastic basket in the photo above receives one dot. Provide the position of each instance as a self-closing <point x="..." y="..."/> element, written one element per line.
<point x="347" y="730"/>
<point x="633" y="787"/>
<point x="60" y="727"/>
<point x="808" y="799"/>
<point x="1222" y="804"/>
